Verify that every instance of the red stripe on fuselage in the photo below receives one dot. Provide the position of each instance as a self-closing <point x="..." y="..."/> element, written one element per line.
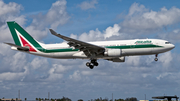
<point x="26" y="44"/>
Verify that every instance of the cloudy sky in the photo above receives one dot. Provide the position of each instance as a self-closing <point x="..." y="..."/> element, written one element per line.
<point x="90" y="20"/>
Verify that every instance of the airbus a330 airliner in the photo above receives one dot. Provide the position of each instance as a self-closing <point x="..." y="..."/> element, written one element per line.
<point x="114" y="51"/>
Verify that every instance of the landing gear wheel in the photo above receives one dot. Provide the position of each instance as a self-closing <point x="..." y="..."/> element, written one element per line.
<point x="156" y="59"/>
<point x="95" y="64"/>
<point x="88" y="64"/>
<point x="92" y="63"/>
<point x="91" y="66"/>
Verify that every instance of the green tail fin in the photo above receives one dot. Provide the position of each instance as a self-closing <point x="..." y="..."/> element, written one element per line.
<point x="21" y="37"/>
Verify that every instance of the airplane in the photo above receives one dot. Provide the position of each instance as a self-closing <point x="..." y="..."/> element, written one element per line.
<point x="114" y="51"/>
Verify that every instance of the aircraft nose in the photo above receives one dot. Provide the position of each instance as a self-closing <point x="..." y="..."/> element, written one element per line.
<point x="172" y="46"/>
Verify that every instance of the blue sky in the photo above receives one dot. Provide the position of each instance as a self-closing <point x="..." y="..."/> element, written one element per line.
<point x="90" y="20"/>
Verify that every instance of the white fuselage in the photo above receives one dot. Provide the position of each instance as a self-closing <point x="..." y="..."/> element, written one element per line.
<point x="114" y="51"/>
<point x="128" y="47"/>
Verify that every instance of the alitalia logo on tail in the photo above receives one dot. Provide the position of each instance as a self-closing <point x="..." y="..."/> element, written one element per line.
<point x="22" y="38"/>
<point x="24" y="42"/>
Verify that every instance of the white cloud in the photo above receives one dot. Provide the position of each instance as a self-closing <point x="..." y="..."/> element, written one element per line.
<point x="9" y="9"/>
<point x="4" y="50"/>
<point x="172" y="36"/>
<point x="39" y="63"/>
<point x="12" y="61"/>
<point x="18" y="61"/>
<point x="88" y="5"/>
<point x="164" y="17"/>
<point x="96" y="35"/>
<point x="56" y="16"/>
<point x="73" y="36"/>
<point x="52" y="76"/>
<point x="136" y="9"/>
<point x="76" y="76"/>
<point x="91" y="36"/>
<point x="58" y="68"/>
<point x="95" y="73"/>
<point x="10" y="76"/>
<point x="176" y="31"/>
<point x="111" y="31"/>
<point x="36" y="32"/>
<point x="162" y="75"/>
<point x="166" y="59"/>
<point x="133" y="60"/>
<point x="9" y="12"/>
<point x="140" y="20"/>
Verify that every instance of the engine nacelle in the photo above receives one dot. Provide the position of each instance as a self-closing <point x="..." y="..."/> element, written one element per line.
<point x="113" y="52"/>
<point x="120" y="59"/>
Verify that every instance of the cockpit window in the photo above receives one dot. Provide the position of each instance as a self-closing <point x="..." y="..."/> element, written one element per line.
<point x="167" y="42"/>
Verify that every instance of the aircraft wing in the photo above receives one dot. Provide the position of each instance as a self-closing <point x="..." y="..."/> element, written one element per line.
<point x="18" y="47"/>
<point x="87" y="48"/>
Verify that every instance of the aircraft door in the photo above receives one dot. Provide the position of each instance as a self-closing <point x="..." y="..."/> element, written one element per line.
<point x="155" y="49"/>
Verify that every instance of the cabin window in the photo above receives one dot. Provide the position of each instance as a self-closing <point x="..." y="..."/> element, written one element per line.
<point x="167" y="42"/>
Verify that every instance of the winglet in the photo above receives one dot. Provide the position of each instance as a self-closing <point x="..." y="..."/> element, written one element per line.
<point x="53" y="32"/>
<point x="61" y="36"/>
<point x="56" y="34"/>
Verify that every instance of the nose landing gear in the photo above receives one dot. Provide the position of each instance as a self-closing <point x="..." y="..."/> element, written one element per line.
<point x="156" y="59"/>
<point x="92" y="63"/>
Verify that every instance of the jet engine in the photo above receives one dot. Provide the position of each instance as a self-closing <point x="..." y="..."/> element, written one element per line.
<point x="113" y="52"/>
<point x="119" y="59"/>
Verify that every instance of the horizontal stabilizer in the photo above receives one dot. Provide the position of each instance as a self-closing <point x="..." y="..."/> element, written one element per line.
<point x="19" y="47"/>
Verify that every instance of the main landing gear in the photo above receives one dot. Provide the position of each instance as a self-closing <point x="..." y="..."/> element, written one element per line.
<point x="92" y="63"/>
<point x="156" y="59"/>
